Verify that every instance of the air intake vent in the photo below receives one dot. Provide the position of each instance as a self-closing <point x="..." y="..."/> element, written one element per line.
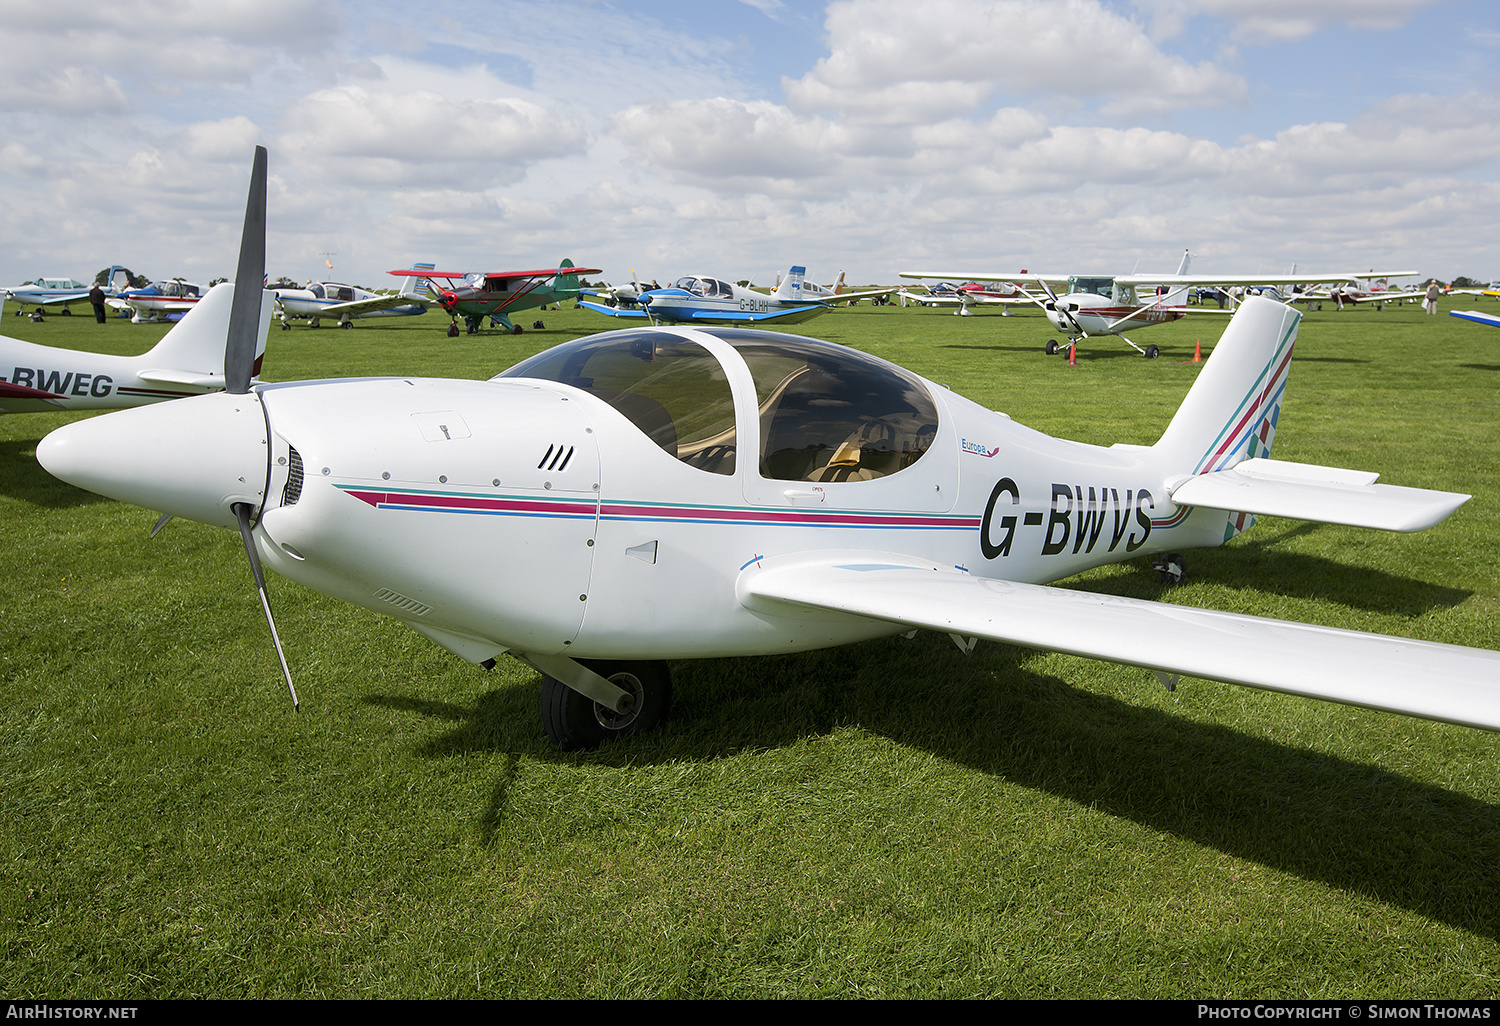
<point x="293" y="490"/>
<point x="556" y="457"/>
<point x="409" y="606"/>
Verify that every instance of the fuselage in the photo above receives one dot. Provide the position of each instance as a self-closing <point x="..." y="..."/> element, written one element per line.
<point x="697" y="298"/>
<point x="601" y="499"/>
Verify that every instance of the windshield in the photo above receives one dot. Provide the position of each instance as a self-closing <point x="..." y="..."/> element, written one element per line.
<point x="672" y="389"/>
<point x="828" y="413"/>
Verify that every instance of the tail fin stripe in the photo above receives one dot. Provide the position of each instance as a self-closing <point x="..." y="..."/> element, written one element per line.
<point x="1266" y="392"/>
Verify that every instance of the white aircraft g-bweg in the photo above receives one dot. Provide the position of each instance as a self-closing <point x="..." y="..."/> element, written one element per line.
<point x="189" y="360"/>
<point x="672" y="493"/>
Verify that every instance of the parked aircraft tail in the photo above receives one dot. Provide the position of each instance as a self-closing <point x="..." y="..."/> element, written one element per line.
<point x="567" y="282"/>
<point x="790" y="288"/>
<point x="117" y="279"/>
<point x="412" y="285"/>
<point x="1217" y="449"/>
<point x="196" y="343"/>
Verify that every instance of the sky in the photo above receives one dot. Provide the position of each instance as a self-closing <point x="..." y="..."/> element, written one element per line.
<point x="737" y="138"/>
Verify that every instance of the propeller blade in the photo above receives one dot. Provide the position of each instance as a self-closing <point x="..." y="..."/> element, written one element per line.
<point x="242" y="514"/>
<point x="244" y="315"/>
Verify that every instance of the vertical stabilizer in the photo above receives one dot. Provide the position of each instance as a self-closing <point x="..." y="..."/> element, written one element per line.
<point x="790" y="288"/>
<point x="566" y="282"/>
<point x="412" y="285"/>
<point x="1231" y="411"/>
<point x="196" y="343"/>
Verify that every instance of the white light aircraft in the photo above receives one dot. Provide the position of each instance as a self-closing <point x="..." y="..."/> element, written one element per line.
<point x="702" y="300"/>
<point x="971" y="294"/>
<point x="1111" y="304"/>
<point x="157" y="301"/>
<point x="838" y="293"/>
<point x="44" y="293"/>
<point x="679" y="492"/>
<point x="189" y="360"/>
<point x="318" y="301"/>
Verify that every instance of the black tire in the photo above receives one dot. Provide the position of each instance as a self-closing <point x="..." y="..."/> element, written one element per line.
<point x="1052" y="347"/>
<point x="1152" y="352"/>
<point x="575" y="722"/>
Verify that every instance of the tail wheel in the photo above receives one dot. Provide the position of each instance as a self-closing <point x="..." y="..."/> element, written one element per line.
<point x="575" y="722"/>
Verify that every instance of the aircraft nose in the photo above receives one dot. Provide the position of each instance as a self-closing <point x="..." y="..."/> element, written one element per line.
<point x="192" y="458"/>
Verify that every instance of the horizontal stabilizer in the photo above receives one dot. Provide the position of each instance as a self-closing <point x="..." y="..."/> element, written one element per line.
<point x="1323" y="494"/>
<point x="613" y="311"/>
<point x="190" y="379"/>
<point x="1435" y="681"/>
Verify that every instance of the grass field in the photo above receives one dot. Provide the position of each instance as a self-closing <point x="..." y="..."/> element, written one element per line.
<point x="884" y="820"/>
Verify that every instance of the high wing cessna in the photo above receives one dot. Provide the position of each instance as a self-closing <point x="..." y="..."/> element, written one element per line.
<point x="318" y="301"/>
<point x="477" y="295"/>
<point x="1371" y="287"/>
<point x="971" y="294"/>
<point x="679" y="492"/>
<point x="44" y="293"/>
<point x="696" y="299"/>
<point x="159" y="300"/>
<point x="1112" y="304"/>
<point x="189" y="360"/>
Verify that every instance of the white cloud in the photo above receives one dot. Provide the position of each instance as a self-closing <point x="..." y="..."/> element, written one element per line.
<point x="894" y="63"/>
<point x="1262" y="21"/>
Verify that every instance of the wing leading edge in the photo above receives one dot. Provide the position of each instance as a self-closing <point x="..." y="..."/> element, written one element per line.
<point x="1435" y="681"/>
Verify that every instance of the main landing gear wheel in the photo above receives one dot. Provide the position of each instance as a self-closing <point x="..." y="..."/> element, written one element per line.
<point x="1052" y="347"/>
<point x="1152" y="352"/>
<point x="575" y="722"/>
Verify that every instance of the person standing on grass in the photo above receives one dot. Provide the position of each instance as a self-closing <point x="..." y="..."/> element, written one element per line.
<point x="1430" y="303"/>
<point x="96" y="297"/>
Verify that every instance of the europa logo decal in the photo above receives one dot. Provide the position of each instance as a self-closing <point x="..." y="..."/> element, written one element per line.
<point x="978" y="449"/>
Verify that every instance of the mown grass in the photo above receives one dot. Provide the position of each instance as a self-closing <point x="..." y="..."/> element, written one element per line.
<point x="883" y="820"/>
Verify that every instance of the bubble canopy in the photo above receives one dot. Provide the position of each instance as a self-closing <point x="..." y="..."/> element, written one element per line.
<point x="825" y="412"/>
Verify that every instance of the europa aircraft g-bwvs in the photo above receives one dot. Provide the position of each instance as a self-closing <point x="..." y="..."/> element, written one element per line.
<point x="697" y="299"/>
<point x="477" y="295"/>
<point x="680" y="492"/>
<point x="318" y="301"/>
<point x="45" y="293"/>
<point x="189" y="360"/>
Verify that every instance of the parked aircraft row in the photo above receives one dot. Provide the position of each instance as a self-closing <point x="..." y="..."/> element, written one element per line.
<point x="687" y="492"/>
<point x="1111" y="304"/>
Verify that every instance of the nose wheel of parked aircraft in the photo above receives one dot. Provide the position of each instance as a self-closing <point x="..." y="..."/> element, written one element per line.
<point x="1151" y="353"/>
<point x="1052" y="347"/>
<point x="575" y="721"/>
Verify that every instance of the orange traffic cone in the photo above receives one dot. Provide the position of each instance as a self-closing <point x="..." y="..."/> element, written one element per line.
<point x="1073" y="354"/>
<point x="1197" y="350"/>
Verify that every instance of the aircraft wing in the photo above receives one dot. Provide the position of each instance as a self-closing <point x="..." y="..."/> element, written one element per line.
<point x="613" y="311"/>
<point x="1436" y="681"/>
<point x="1247" y="279"/>
<point x="1476" y="317"/>
<point x="157" y="303"/>
<point x="20" y="399"/>
<point x="971" y="276"/>
<point x="1326" y="495"/>
<point x="363" y="306"/>
<point x="850" y="297"/>
<point x="190" y="379"/>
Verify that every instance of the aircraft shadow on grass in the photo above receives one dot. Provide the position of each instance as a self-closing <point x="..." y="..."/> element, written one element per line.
<point x="1347" y="824"/>
<point x="24" y="479"/>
